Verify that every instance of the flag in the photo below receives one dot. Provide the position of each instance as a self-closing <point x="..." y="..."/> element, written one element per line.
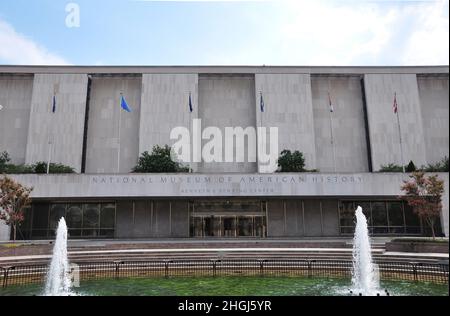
<point x="330" y="104"/>
<point x="261" y="102"/>
<point x="54" y="104"/>
<point x="124" y="104"/>
<point x="395" y="106"/>
<point x="190" y="104"/>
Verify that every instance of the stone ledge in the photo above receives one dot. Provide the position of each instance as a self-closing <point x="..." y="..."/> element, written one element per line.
<point x="417" y="246"/>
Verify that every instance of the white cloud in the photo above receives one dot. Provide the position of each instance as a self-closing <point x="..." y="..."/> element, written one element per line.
<point x="429" y="43"/>
<point x="16" y="48"/>
<point x="325" y="32"/>
<point x="370" y="33"/>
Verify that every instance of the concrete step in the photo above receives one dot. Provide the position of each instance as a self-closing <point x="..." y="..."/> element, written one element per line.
<point x="209" y="256"/>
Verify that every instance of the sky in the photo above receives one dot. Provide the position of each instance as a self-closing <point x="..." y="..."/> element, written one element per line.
<point x="252" y="32"/>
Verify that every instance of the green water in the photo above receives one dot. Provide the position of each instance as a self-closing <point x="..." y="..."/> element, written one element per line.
<point x="229" y="286"/>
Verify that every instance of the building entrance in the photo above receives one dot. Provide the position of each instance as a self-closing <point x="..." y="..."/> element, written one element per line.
<point x="229" y="218"/>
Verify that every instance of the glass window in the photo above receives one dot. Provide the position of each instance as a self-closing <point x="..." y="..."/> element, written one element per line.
<point x="91" y="214"/>
<point x="86" y="232"/>
<point x="396" y="220"/>
<point x="411" y="218"/>
<point x="74" y="216"/>
<point x="245" y="226"/>
<point x="260" y="226"/>
<point x="107" y="216"/>
<point x="107" y="233"/>
<point x="197" y="226"/>
<point x="87" y="220"/>
<point x="24" y="228"/>
<point x="379" y="217"/>
<point x="209" y="226"/>
<point x="56" y="212"/>
<point x="412" y="221"/>
<point x="216" y="226"/>
<point x="40" y="216"/>
<point x="74" y="233"/>
<point x="91" y="219"/>
<point x="347" y="214"/>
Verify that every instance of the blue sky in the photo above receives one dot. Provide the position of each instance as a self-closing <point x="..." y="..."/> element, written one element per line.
<point x="278" y="32"/>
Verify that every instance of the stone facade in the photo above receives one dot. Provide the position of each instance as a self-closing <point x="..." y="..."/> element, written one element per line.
<point x="84" y="134"/>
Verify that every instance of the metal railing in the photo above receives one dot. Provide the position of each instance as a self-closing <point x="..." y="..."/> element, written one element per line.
<point x="412" y="271"/>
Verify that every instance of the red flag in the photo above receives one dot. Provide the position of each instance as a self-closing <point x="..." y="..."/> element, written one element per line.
<point x="395" y="107"/>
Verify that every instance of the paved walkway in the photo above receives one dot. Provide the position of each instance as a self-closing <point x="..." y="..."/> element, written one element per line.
<point x="100" y="242"/>
<point x="228" y="250"/>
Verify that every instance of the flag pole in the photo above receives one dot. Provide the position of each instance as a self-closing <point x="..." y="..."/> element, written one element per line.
<point x="331" y="132"/>
<point x="120" y="126"/>
<point x="399" y="134"/>
<point x="261" y="111"/>
<point x="190" y="131"/>
<point x="49" y="153"/>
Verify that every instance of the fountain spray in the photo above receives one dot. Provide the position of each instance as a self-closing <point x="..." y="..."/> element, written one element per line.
<point x="365" y="278"/>
<point x="58" y="281"/>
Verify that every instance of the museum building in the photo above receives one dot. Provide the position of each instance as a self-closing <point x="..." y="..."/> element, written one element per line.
<point x="347" y="121"/>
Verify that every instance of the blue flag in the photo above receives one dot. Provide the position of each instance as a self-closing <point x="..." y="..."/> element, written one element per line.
<point x="261" y="103"/>
<point x="124" y="104"/>
<point x="190" y="104"/>
<point x="54" y="104"/>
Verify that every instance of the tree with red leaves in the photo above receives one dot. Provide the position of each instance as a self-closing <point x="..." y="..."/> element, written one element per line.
<point x="424" y="195"/>
<point x="14" y="198"/>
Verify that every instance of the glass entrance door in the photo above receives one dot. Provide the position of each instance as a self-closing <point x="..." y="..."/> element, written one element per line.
<point x="228" y="218"/>
<point x="229" y="226"/>
<point x="246" y="226"/>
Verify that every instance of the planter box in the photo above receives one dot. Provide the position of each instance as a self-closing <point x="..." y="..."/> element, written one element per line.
<point x="417" y="246"/>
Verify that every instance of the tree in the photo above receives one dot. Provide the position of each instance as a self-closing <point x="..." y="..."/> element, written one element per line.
<point x="160" y="160"/>
<point x="411" y="167"/>
<point x="424" y="195"/>
<point x="14" y="198"/>
<point x="291" y="162"/>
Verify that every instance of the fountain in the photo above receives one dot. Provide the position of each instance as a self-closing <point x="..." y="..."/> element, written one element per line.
<point x="58" y="281"/>
<point x="365" y="278"/>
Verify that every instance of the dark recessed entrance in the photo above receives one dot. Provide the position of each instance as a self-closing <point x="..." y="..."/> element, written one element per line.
<point x="228" y="218"/>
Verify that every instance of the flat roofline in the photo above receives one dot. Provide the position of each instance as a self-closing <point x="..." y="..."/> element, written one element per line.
<point x="11" y="69"/>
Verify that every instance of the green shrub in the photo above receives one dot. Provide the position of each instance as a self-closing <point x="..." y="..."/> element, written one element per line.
<point x="441" y="166"/>
<point x="19" y="169"/>
<point x="158" y="161"/>
<point x="391" y="168"/>
<point x="41" y="167"/>
<point x="291" y="161"/>
<point x="4" y="160"/>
